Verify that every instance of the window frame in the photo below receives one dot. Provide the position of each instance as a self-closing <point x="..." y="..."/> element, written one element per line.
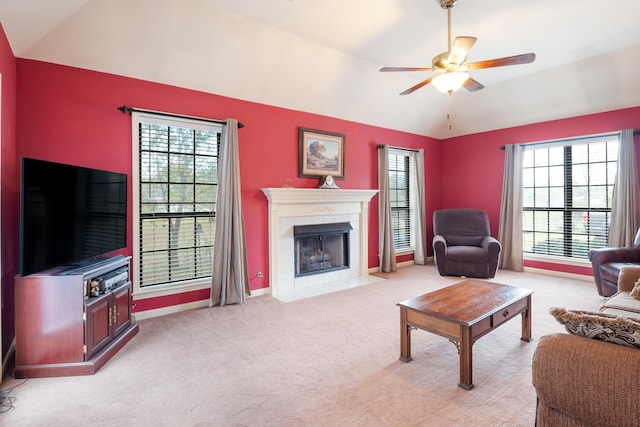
<point x="411" y="209"/>
<point x="167" y="288"/>
<point x="568" y="209"/>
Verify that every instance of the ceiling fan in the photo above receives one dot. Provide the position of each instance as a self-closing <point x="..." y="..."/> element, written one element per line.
<point x="452" y="66"/>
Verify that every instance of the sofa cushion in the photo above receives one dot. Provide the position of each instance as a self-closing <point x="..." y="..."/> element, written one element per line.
<point x="635" y="292"/>
<point x="628" y="277"/>
<point x="616" y="330"/>
<point x="616" y="312"/>
<point x="623" y="301"/>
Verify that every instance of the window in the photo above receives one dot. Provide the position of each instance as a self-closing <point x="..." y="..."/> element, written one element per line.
<point x="175" y="187"/>
<point x="402" y="196"/>
<point x="567" y="194"/>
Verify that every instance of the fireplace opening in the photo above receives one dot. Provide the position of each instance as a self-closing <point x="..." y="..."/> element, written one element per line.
<point x="321" y="248"/>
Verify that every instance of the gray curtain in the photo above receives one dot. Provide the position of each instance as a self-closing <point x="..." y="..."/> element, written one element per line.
<point x="625" y="207"/>
<point x="230" y="281"/>
<point x="510" y="228"/>
<point x="420" y="238"/>
<point x="387" y="253"/>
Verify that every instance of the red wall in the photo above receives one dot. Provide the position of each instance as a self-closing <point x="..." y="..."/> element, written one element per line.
<point x="9" y="194"/>
<point x="472" y="165"/>
<point x="70" y="115"/>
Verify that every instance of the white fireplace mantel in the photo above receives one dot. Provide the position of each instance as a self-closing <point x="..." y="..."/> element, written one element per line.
<point x="301" y="206"/>
<point x="283" y="196"/>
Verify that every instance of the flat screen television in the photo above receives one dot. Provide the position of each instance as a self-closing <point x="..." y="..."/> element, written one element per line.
<point x="69" y="215"/>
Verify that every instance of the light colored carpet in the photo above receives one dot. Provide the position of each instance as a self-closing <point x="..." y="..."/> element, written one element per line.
<point x="330" y="360"/>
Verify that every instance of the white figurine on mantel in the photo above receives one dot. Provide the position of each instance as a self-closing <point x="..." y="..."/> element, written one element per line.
<point x="327" y="182"/>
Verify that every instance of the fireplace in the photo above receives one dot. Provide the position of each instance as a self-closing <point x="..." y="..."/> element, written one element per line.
<point x="294" y="207"/>
<point x="321" y="248"/>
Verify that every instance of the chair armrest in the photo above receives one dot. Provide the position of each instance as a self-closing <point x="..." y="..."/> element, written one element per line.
<point x="591" y="381"/>
<point x="440" y="252"/>
<point x="491" y="244"/>
<point x="606" y="255"/>
<point x="439" y="243"/>
<point x="628" y="278"/>
<point x="493" y="247"/>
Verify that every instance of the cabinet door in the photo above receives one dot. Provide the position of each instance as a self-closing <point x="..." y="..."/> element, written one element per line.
<point x="121" y="309"/>
<point x="98" y="324"/>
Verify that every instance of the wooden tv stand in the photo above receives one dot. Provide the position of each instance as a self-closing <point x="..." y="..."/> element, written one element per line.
<point x="61" y="330"/>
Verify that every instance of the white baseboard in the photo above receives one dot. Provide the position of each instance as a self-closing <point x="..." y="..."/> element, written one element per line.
<point x="583" y="277"/>
<point x="559" y="274"/>
<point x="148" y="314"/>
<point x="400" y="264"/>
<point x="258" y="292"/>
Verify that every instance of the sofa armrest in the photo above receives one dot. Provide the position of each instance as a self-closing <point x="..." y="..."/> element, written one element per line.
<point x="628" y="278"/>
<point x="590" y="381"/>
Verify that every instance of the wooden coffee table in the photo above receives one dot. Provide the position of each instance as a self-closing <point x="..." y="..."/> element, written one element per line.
<point x="464" y="312"/>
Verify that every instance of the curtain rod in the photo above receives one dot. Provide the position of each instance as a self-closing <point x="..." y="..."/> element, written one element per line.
<point x="636" y="132"/>
<point x="129" y="110"/>
<point x="398" y="148"/>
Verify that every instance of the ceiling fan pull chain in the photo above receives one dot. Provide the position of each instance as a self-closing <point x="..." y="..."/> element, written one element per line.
<point x="449" y="29"/>
<point x="449" y="114"/>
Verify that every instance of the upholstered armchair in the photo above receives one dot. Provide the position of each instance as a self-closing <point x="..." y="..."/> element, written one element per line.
<point x="462" y="243"/>
<point x="607" y="262"/>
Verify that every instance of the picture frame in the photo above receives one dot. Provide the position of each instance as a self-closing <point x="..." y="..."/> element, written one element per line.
<point x="320" y="153"/>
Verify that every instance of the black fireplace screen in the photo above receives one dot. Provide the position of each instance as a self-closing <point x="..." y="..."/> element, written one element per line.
<point x="321" y="248"/>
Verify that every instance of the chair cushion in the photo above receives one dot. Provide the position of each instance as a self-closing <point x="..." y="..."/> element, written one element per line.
<point x="599" y="326"/>
<point x="464" y="240"/>
<point x="469" y="254"/>
<point x="461" y="222"/>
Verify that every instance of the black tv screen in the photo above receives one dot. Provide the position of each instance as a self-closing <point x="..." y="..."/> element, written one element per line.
<point x="69" y="214"/>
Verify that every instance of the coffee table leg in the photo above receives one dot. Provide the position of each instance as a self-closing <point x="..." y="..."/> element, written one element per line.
<point x="526" y="322"/>
<point x="405" y="337"/>
<point x="466" y="358"/>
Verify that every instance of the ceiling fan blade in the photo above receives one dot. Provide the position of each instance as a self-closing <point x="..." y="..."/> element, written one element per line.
<point x="418" y="86"/>
<point x="460" y="49"/>
<point x="525" y="58"/>
<point x="406" y="69"/>
<point x="472" y="85"/>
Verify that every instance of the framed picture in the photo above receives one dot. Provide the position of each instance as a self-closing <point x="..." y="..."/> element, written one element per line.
<point x="320" y="154"/>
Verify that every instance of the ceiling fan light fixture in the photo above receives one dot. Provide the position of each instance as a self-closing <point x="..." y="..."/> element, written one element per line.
<point x="450" y="82"/>
<point x="452" y="66"/>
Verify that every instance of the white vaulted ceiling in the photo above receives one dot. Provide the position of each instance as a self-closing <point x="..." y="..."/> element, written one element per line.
<point x="323" y="56"/>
